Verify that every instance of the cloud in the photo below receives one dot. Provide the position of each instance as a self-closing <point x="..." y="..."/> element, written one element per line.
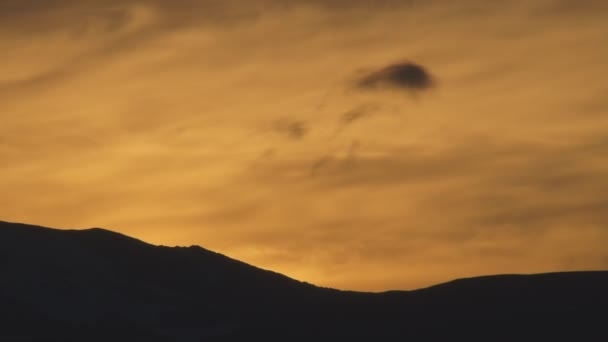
<point x="406" y="75"/>
<point x="505" y="201"/>
<point x="358" y="113"/>
<point x="484" y="181"/>
<point x="354" y="115"/>
<point x="40" y="16"/>
<point x="292" y="129"/>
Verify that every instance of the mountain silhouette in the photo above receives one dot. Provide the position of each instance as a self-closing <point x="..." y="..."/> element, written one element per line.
<point x="98" y="285"/>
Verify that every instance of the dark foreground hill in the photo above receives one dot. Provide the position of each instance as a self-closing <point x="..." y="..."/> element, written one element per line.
<point x="97" y="285"/>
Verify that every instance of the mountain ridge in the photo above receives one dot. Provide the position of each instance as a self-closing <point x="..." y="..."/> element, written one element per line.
<point x="95" y="284"/>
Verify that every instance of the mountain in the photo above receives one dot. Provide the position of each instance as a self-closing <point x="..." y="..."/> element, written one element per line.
<point x="98" y="285"/>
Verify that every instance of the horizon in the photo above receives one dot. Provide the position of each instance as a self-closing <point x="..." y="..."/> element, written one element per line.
<point x="304" y="281"/>
<point x="360" y="145"/>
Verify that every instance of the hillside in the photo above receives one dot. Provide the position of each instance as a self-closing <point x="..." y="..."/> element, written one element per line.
<point x="98" y="285"/>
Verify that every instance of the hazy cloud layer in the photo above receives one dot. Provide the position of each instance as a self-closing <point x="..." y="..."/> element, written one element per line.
<point x="277" y="131"/>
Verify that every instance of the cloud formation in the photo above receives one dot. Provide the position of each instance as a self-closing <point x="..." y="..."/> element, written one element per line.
<point x="407" y="75"/>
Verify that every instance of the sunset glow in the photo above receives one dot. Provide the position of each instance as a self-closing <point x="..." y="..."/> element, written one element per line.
<point x="364" y="145"/>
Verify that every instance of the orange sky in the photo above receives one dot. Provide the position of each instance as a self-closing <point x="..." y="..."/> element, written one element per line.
<point x="242" y="126"/>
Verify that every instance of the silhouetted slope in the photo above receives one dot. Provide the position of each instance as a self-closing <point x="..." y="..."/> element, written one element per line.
<point x="97" y="285"/>
<point x="99" y="278"/>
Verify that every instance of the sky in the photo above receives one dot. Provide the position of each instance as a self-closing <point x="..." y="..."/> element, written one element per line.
<point x="363" y="145"/>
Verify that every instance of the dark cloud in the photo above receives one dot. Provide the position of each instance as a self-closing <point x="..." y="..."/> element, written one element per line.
<point x="406" y="75"/>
